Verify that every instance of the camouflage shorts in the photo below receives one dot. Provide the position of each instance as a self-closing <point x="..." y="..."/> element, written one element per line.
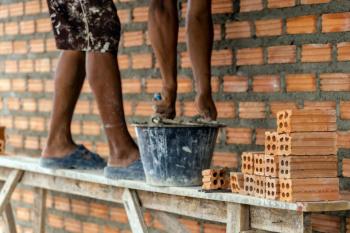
<point x="85" y="25"/>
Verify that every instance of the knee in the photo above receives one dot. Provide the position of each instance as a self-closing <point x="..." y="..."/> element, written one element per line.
<point x="160" y="10"/>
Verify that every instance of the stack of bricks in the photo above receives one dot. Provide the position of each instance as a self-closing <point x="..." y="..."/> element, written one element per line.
<point x="214" y="179"/>
<point x="299" y="162"/>
<point x="2" y="140"/>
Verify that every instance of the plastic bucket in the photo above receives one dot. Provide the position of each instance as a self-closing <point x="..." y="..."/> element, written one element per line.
<point x="176" y="155"/>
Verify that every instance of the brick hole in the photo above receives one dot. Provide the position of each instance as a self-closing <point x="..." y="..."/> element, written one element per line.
<point x="261" y="191"/>
<point x="268" y="193"/>
<point x="273" y="193"/>
<point x="273" y="147"/>
<point x="286" y="115"/>
<point x="268" y="169"/>
<point x="249" y="166"/>
<point x="215" y="182"/>
<point x="281" y="147"/>
<point x="244" y="158"/>
<point x="222" y="182"/>
<point x="256" y="160"/>
<point x="282" y="171"/>
<point x="248" y="159"/>
<point x="287" y="163"/>
<point x="282" y="162"/>
<point x="287" y="148"/>
<point x="267" y="160"/>
<point x="287" y="172"/>
<point x="274" y="138"/>
<point x="272" y="185"/>
<point x="251" y="188"/>
<point x="261" y="169"/>
<point x="246" y="188"/>
<point x="283" y="195"/>
<point x="258" y="182"/>
<point x="272" y="170"/>
<point x="280" y="116"/>
<point x="280" y="125"/>
<point x="268" y="138"/>
<point x="269" y="147"/>
<point x="287" y="194"/>
<point x="251" y="180"/>
<point x="287" y="186"/>
<point x="285" y="124"/>
<point x="268" y="184"/>
<point x="247" y="179"/>
<point x="286" y="139"/>
<point x="272" y="161"/>
<point x="281" y="139"/>
<point x="260" y="161"/>
<point x="215" y="174"/>
<point x="283" y="185"/>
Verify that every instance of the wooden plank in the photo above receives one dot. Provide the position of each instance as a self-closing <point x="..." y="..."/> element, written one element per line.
<point x="170" y="223"/>
<point x="83" y="183"/>
<point x="279" y="220"/>
<point x="237" y="218"/>
<point x="10" y="219"/>
<point x="9" y="187"/>
<point x="39" y="210"/>
<point x="133" y="210"/>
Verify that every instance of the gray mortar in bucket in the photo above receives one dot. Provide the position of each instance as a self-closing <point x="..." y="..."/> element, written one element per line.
<point x="174" y="153"/>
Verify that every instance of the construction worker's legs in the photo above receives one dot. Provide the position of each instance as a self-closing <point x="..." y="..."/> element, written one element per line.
<point x="199" y="27"/>
<point x="104" y="78"/>
<point x="163" y="29"/>
<point x="69" y="79"/>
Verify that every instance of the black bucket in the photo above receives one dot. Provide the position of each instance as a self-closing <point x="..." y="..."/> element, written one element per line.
<point x="175" y="155"/>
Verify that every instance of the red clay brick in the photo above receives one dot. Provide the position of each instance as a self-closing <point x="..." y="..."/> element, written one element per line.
<point x="16" y="9"/>
<point x="238" y="135"/>
<point x="226" y="109"/>
<point x="268" y="27"/>
<point x="236" y="30"/>
<point x="316" y="53"/>
<point x="222" y="57"/>
<point x="225" y="159"/>
<point x="250" y="56"/>
<point x="252" y="110"/>
<point x="221" y="6"/>
<point x="235" y="84"/>
<point x="345" y="110"/>
<point x="335" y="82"/>
<point x="301" y="82"/>
<point x="131" y="86"/>
<point x="282" y="54"/>
<point x="133" y="38"/>
<point x="141" y="61"/>
<point x="314" y="1"/>
<point x="302" y="25"/>
<point x="343" y="51"/>
<point x="32" y="7"/>
<point x="280" y="4"/>
<point x="336" y="22"/>
<point x="27" y="27"/>
<point x="251" y="5"/>
<point x="266" y="83"/>
<point x="140" y="14"/>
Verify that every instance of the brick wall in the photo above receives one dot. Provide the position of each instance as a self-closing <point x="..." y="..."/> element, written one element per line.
<point x="268" y="55"/>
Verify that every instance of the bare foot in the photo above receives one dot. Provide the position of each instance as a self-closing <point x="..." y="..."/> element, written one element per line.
<point x="206" y="107"/>
<point x="124" y="155"/>
<point x="58" y="150"/>
<point x="166" y="106"/>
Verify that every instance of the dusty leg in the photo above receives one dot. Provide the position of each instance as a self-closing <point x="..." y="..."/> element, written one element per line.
<point x="104" y="78"/>
<point x="163" y="32"/>
<point x="69" y="78"/>
<point x="200" y="41"/>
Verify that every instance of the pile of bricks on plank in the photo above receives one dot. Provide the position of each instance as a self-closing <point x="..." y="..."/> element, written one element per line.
<point x="2" y="140"/>
<point x="299" y="162"/>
